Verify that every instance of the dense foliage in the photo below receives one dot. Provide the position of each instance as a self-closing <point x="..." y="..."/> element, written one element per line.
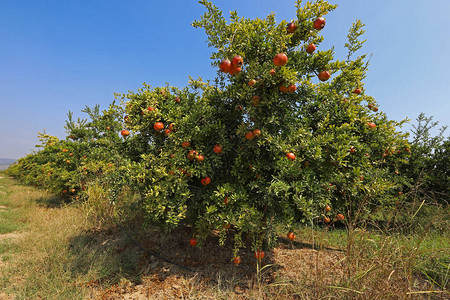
<point x="284" y="135"/>
<point x="428" y="169"/>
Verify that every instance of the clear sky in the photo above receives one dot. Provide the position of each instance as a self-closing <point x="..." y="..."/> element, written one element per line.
<point x="57" y="56"/>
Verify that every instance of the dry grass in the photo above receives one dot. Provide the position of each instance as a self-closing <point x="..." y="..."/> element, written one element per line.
<point x="62" y="255"/>
<point x="376" y="270"/>
<point x="41" y="249"/>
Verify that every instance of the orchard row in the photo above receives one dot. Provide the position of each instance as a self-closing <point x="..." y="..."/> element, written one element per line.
<point x="267" y="146"/>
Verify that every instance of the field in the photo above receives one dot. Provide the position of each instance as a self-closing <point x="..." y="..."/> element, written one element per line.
<point x="51" y="251"/>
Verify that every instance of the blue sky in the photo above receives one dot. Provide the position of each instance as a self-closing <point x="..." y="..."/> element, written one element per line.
<point x="57" y="56"/>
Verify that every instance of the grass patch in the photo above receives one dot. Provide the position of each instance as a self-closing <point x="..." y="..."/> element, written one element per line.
<point x="7" y="248"/>
<point x="14" y="204"/>
<point x="57" y="256"/>
<point x="60" y="264"/>
<point x="62" y="254"/>
<point x="9" y="222"/>
<point x="422" y="254"/>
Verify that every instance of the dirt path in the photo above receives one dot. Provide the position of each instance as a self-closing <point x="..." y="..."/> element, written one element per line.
<point x="10" y="235"/>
